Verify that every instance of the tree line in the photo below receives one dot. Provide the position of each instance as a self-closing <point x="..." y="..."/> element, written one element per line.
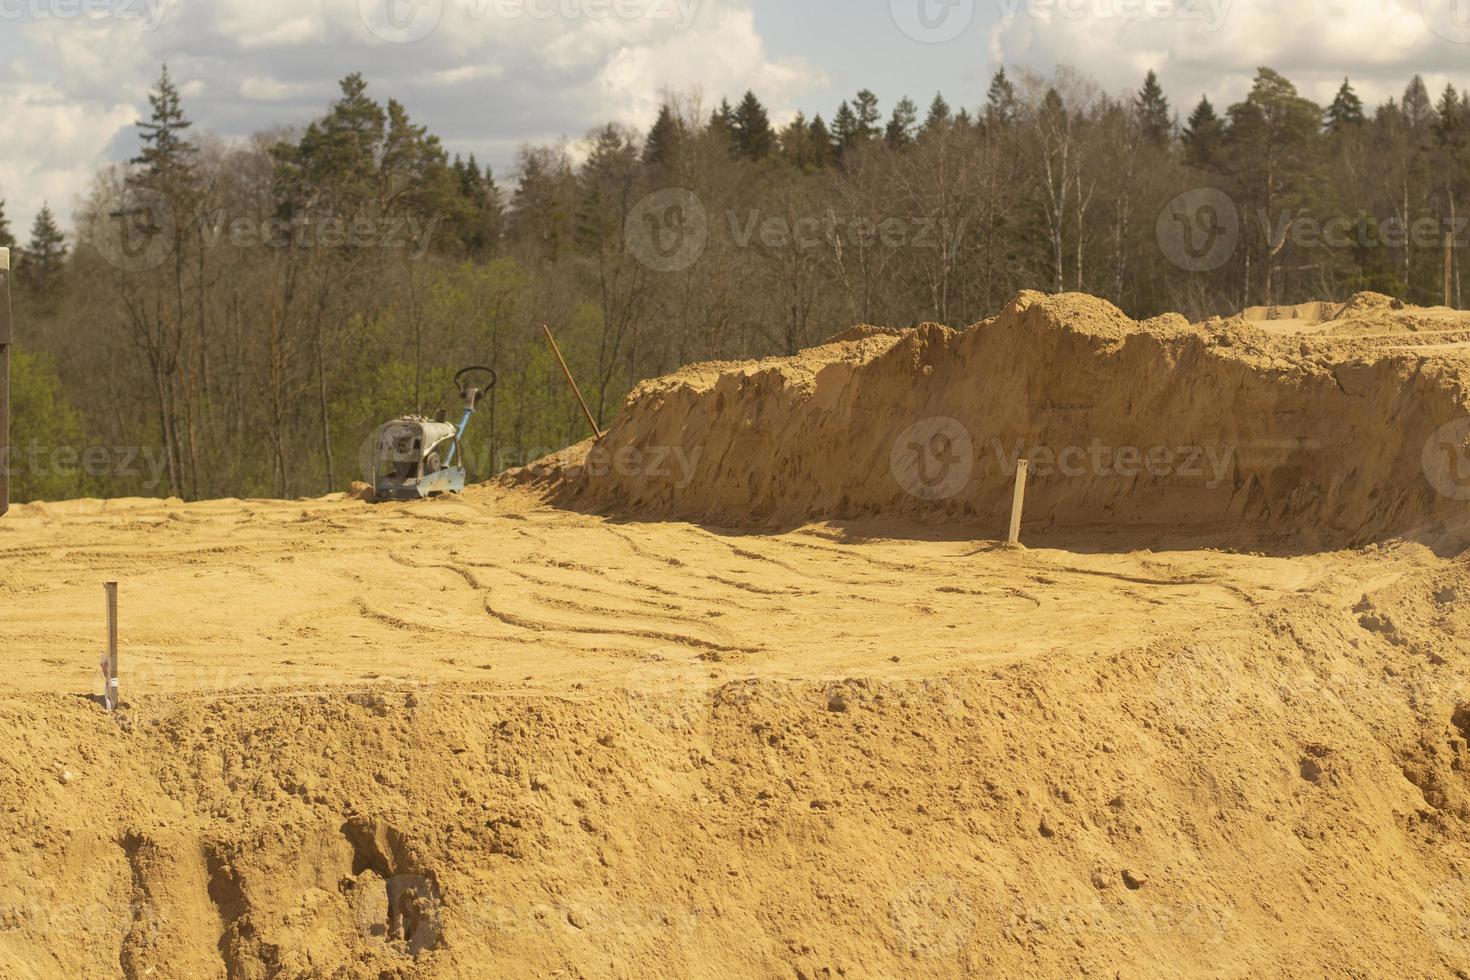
<point x="234" y="317"/>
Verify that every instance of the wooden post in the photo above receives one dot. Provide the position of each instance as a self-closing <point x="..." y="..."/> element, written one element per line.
<point x="111" y="693"/>
<point x="4" y="380"/>
<point x="572" y="381"/>
<point x="1018" y="502"/>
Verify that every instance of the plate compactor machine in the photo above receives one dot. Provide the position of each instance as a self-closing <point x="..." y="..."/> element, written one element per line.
<point x="415" y="456"/>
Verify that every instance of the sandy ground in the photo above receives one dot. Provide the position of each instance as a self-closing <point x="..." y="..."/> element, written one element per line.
<point x="795" y="714"/>
<point x="499" y="590"/>
<point x="584" y="747"/>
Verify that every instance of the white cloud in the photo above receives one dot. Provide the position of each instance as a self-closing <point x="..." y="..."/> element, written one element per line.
<point x="1214" y="47"/>
<point x="726" y="59"/>
<point x="270" y="89"/>
<point x="486" y="75"/>
<point x="51" y="148"/>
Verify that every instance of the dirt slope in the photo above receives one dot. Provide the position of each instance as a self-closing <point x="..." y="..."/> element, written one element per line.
<point x="1319" y="440"/>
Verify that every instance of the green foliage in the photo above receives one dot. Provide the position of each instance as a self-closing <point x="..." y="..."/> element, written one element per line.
<point x="261" y="370"/>
<point x="46" y="433"/>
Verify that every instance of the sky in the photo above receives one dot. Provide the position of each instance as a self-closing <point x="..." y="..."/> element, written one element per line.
<point x="490" y="75"/>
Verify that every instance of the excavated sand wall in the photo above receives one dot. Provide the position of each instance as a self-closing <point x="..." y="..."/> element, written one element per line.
<point x="1126" y="423"/>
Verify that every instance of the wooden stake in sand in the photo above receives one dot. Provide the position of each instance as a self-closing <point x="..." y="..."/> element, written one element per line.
<point x="572" y="381"/>
<point x="1019" y="500"/>
<point x="111" y="694"/>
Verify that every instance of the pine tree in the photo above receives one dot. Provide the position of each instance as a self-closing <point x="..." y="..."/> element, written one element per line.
<point x="751" y="128"/>
<point x="42" y="258"/>
<point x="483" y="217"/>
<point x="1000" y="101"/>
<point x="1450" y="115"/>
<point x="798" y="146"/>
<point x="662" y="145"/>
<point x="1417" y="107"/>
<point x="722" y="121"/>
<point x="606" y="183"/>
<point x="822" y="148"/>
<point x="333" y="168"/>
<point x="7" y="240"/>
<point x="1203" y="135"/>
<point x="939" y="116"/>
<point x="845" y="129"/>
<point x="1271" y="151"/>
<point x="901" y="125"/>
<point x="1152" y="108"/>
<point x="167" y="155"/>
<point x="1346" y="109"/>
<point x="865" y="108"/>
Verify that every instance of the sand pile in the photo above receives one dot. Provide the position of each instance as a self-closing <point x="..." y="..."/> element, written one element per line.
<point x="1319" y="437"/>
<point x="504" y="740"/>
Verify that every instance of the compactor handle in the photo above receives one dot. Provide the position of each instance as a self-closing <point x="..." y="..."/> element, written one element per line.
<point x="479" y="391"/>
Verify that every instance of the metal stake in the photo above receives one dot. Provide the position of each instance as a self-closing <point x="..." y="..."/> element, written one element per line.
<point x="111" y="695"/>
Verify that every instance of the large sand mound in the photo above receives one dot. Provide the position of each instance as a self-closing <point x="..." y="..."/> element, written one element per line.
<point x="560" y="746"/>
<point x="1314" y="437"/>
